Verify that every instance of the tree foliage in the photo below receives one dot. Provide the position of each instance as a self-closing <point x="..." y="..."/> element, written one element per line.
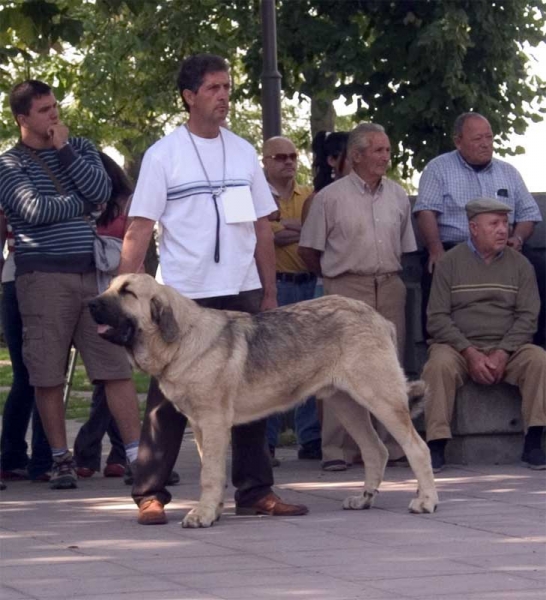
<point x="412" y="65"/>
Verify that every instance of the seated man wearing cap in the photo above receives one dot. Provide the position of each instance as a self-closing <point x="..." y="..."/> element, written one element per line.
<point x="482" y="315"/>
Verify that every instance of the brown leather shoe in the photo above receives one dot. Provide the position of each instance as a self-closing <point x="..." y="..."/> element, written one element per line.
<point x="150" y="512"/>
<point x="273" y="506"/>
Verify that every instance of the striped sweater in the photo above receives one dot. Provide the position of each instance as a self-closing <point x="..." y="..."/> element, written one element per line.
<point x="49" y="230"/>
<point x="485" y="306"/>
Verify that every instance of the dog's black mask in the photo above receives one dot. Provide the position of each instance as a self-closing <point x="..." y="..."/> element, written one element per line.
<point x="114" y="326"/>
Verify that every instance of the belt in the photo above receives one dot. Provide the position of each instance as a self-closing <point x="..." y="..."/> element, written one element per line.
<point x="374" y="276"/>
<point x="296" y="277"/>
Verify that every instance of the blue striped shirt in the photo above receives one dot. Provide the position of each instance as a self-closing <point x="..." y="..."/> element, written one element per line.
<point x="448" y="183"/>
<point x="50" y="233"/>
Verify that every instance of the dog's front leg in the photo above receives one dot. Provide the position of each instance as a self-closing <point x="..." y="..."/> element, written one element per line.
<point x="214" y="440"/>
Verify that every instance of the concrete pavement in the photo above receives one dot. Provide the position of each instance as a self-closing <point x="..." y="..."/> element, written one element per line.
<point x="486" y="541"/>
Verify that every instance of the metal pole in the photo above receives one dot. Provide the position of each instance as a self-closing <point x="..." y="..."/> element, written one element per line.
<point x="69" y="376"/>
<point x="271" y="78"/>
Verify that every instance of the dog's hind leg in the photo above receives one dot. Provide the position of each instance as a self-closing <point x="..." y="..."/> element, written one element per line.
<point x="214" y="437"/>
<point x="356" y="420"/>
<point x="396" y="418"/>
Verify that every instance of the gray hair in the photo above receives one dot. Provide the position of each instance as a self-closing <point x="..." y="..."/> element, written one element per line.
<point x="462" y="119"/>
<point x="359" y="138"/>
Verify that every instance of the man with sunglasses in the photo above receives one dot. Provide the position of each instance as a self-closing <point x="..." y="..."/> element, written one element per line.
<point x="294" y="281"/>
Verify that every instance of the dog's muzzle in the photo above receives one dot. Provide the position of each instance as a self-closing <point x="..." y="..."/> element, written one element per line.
<point x="113" y="325"/>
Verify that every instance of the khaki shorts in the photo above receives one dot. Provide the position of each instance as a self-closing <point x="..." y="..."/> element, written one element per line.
<point x="54" y="312"/>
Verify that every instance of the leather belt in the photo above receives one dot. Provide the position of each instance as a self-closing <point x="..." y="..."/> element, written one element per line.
<point x="296" y="277"/>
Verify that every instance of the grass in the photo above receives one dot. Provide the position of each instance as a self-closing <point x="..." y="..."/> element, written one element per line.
<point x="78" y="405"/>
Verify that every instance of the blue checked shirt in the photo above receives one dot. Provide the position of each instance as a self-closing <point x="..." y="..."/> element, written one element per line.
<point x="448" y="183"/>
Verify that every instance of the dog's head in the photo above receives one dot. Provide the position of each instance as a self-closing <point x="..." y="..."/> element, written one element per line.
<point x="134" y="311"/>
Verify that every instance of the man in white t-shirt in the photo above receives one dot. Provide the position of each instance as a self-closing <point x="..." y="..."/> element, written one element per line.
<point x="205" y="187"/>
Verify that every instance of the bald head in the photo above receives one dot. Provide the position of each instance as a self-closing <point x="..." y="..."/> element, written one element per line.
<point x="278" y="144"/>
<point x="280" y="160"/>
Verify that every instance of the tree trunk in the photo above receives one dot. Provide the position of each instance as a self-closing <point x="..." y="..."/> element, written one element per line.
<point x="132" y="166"/>
<point x="323" y="115"/>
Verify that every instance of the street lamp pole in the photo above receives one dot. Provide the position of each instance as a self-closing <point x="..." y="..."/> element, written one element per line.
<point x="271" y="78"/>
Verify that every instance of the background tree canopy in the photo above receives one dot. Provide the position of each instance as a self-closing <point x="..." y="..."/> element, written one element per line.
<point x="411" y="65"/>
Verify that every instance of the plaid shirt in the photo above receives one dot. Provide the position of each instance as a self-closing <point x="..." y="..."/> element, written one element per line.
<point x="448" y="183"/>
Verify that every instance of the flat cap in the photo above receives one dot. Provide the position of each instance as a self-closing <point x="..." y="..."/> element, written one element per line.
<point x="485" y="205"/>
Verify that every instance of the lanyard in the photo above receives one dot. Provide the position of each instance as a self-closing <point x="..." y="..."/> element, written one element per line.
<point x="214" y="192"/>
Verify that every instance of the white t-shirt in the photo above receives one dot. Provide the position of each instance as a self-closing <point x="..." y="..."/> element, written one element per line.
<point x="173" y="190"/>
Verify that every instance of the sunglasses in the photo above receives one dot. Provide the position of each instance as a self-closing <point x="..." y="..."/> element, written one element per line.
<point x="283" y="157"/>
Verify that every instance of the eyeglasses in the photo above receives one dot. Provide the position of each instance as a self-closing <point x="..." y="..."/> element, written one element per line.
<point x="283" y="157"/>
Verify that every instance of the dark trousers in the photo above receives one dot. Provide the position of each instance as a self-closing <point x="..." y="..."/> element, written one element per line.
<point x="20" y="401"/>
<point x="163" y="429"/>
<point x="88" y="442"/>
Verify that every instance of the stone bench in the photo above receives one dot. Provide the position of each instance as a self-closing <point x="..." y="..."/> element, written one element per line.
<point x="487" y="426"/>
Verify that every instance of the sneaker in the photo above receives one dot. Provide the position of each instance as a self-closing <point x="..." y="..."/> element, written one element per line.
<point x="128" y="475"/>
<point x="63" y="473"/>
<point x="14" y="475"/>
<point x="437" y="458"/>
<point x="534" y="459"/>
<point x="310" y="451"/>
<point x="334" y="465"/>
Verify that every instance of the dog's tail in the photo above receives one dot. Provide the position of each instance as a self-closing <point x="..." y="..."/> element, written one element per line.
<point x="417" y="391"/>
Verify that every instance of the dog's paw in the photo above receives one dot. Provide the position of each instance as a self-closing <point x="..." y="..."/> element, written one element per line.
<point x="423" y="504"/>
<point x="362" y="502"/>
<point x="201" y="517"/>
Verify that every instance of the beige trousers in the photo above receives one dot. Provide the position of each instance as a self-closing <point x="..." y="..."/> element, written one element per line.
<point x="445" y="371"/>
<point x="387" y="294"/>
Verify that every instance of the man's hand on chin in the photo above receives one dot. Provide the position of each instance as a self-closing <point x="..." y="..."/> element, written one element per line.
<point x="58" y="133"/>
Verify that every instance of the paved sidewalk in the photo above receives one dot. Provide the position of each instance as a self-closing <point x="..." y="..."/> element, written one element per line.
<point x="487" y="540"/>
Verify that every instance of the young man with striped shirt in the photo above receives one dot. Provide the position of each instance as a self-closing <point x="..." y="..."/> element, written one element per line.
<point x="49" y="184"/>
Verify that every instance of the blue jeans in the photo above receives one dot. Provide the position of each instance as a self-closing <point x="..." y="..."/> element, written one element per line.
<point x="305" y="415"/>
<point x="20" y="401"/>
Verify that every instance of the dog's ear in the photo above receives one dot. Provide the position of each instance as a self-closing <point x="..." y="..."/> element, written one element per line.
<point x="163" y="316"/>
